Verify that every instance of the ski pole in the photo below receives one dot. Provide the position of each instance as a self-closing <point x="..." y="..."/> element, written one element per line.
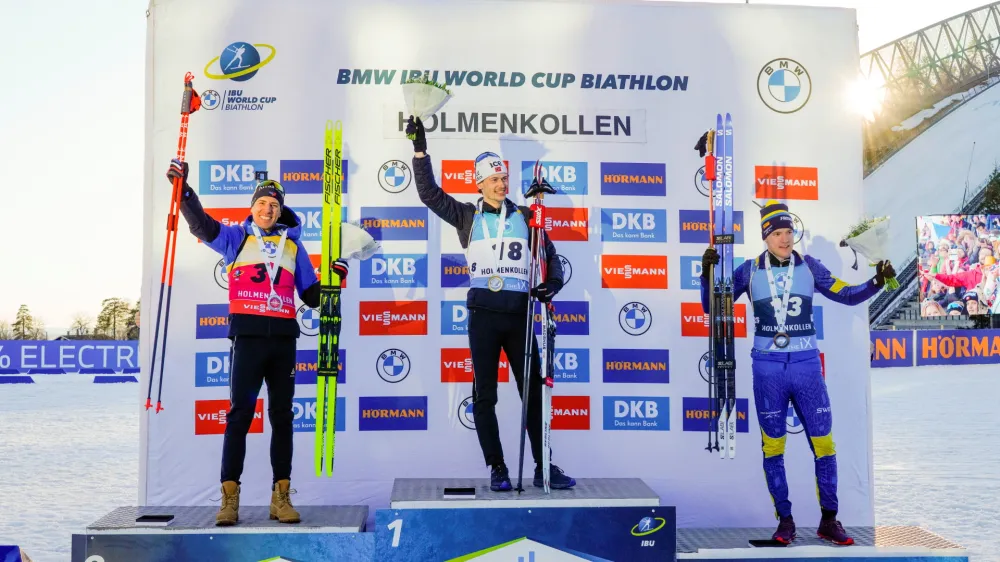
<point x="190" y="102"/>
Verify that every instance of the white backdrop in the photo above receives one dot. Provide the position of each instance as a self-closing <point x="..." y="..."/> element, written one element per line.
<point x="713" y="55"/>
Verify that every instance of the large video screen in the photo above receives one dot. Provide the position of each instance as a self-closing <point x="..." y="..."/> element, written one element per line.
<point x="958" y="264"/>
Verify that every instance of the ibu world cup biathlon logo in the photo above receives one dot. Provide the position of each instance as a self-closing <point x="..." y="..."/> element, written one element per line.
<point x="238" y="62"/>
<point x="784" y="85"/>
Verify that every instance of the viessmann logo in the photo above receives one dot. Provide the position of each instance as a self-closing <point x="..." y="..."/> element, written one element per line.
<point x="459" y="176"/>
<point x="694" y="321"/>
<point x="456" y="365"/>
<point x="568" y="224"/>
<point x="393" y="318"/>
<point x="786" y="182"/>
<point x="210" y="417"/>
<point x="571" y="412"/>
<point x="633" y="272"/>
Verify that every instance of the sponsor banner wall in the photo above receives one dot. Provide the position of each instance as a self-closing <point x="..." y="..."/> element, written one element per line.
<point x="628" y="223"/>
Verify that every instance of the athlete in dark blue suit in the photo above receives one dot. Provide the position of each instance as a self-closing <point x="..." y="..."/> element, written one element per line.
<point x="785" y="358"/>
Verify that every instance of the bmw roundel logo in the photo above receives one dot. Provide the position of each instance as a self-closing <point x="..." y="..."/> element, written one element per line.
<point x="635" y="318"/>
<point x="792" y="421"/>
<point x="703" y="186"/>
<point x="465" y="414"/>
<point x="703" y="368"/>
<point x="393" y="365"/>
<point x="308" y="320"/>
<point x="784" y="85"/>
<point x="566" y="267"/>
<point x="394" y="176"/>
<point x="210" y="99"/>
<point x="221" y="276"/>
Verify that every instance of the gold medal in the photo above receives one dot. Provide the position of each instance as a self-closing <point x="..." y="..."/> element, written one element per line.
<point x="495" y="283"/>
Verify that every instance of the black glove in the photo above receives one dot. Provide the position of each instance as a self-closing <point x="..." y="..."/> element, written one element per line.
<point x="710" y="257"/>
<point x="883" y="271"/>
<point x="544" y="292"/>
<point x="415" y="128"/>
<point x="702" y="145"/>
<point x="179" y="169"/>
<point x="341" y="268"/>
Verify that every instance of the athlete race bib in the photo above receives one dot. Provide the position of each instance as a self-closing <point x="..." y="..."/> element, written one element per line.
<point x="498" y="252"/>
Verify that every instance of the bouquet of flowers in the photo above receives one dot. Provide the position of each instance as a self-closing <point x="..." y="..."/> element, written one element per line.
<point x="424" y="97"/>
<point x="870" y="238"/>
<point x="356" y="242"/>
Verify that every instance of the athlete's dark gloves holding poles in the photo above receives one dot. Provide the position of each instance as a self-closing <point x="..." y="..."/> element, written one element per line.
<point x="415" y="127"/>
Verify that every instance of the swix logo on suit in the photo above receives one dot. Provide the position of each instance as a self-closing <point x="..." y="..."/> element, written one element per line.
<point x="698" y="415"/>
<point x="456" y="365"/>
<point x="691" y="271"/>
<point x="394" y="270"/>
<point x="694" y="226"/>
<point x="393" y="318"/>
<point x="210" y="417"/>
<point x="249" y="282"/>
<point x="572" y="318"/>
<point x="305" y="177"/>
<point x="459" y="176"/>
<point x="568" y="224"/>
<point x="694" y="322"/>
<point x="454" y="271"/>
<point x="633" y="225"/>
<point x="211" y="321"/>
<point x="571" y="412"/>
<point x="307" y="365"/>
<point x="636" y="365"/>
<point x="786" y="182"/>
<point x="304" y="414"/>
<point x="633" y="178"/>
<point x="454" y="318"/>
<point x="395" y="223"/>
<point x="567" y="178"/>
<point x="633" y="272"/>
<point x="228" y="177"/>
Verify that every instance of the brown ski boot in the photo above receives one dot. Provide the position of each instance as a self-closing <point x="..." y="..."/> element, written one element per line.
<point x="229" y="510"/>
<point x="281" y="504"/>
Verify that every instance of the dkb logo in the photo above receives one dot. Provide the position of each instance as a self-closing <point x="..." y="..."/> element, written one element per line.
<point x="395" y="270"/>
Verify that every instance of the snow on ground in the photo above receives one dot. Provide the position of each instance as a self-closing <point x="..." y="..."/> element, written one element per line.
<point x="69" y="455"/>
<point x="928" y="175"/>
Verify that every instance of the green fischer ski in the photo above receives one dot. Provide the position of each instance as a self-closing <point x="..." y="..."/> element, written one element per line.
<point x="328" y="365"/>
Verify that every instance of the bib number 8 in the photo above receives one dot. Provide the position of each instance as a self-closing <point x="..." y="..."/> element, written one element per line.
<point x="513" y="251"/>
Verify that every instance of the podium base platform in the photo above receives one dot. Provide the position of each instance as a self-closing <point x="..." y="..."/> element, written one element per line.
<point x="253" y="519"/>
<point x="429" y="493"/>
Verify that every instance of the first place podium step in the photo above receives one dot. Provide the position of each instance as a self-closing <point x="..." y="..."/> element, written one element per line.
<point x="450" y="493"/>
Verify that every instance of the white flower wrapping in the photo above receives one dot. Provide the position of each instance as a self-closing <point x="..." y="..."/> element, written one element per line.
<point x="873" y="244"/>
<point x="356" y="243"/>
<point x="424" y="100"/>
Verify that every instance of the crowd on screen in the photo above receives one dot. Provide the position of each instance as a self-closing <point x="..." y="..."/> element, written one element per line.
<point x="959" y="266"/>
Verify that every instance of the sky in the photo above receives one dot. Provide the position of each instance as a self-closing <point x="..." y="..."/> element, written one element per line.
<point x="72" y="144"/>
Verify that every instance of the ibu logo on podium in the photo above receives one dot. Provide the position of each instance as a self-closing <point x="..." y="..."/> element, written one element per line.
<point x="394" y="270"/>
<point x="643" y="413"/>
<point x="228" y="177"/>
<point x="392" y="413"/>
<point x="633" y="225"/>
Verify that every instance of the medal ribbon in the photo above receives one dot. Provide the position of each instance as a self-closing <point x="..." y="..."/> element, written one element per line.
<point x="271" y="266"/>
<point x="498" y="239"/>
<point x="780" y="305"/>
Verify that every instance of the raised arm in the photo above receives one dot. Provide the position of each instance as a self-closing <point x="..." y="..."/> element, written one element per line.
<point x="839" y="291"/>
<point x="440" y="203"/>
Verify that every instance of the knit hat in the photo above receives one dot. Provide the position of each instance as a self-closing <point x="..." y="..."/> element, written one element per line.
<point x="774" y="215"/>
<point x="487" y="164"/>
<point x="269" y="188"/>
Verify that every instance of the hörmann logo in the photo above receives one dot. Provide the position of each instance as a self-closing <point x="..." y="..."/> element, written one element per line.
<point x="305" y="177"/>
<point x="572" y="318"/>
<point x="211" y="321"/>
<point x="307" y="364"/>
<point x="454" y="271"/>
<point x="636" y="365"/>
<point x="633" y="225"/>
<point x="395" y="223"/>
<point x="392" y="413"/>
<point x="698" y="416"/>
<point x="694" y="226"/>
<point x="633" y="178"/>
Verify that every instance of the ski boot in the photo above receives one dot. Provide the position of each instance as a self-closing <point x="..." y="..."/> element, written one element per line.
<point x="557" y="478"/>
<point x="281" y="504"/>
<point x="831" y="529"/>
<point x="499" y="479"/>
<point x="230" y="508"/>
<point x="786" y="531"/>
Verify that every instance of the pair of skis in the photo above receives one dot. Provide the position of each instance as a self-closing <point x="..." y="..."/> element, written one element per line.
<point x="328" y="358"/>
<point x="537" y="273"/>
<point x="721" y="347"/>
<point x="190" y="102"/>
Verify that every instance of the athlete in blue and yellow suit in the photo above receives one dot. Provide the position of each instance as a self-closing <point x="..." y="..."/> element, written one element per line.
<point x="786" y="365"/>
